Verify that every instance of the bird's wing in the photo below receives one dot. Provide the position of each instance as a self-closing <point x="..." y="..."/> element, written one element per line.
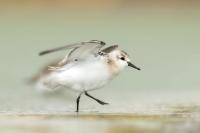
<point x="80" y="51"/>
<point x="87" y="49"/>
<point x="69" y="46"/>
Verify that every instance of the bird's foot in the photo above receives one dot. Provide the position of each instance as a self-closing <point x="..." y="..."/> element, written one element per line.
<point x="101" y="102"/>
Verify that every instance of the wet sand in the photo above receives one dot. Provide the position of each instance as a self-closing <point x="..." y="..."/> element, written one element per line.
<point x="179" y="119"/>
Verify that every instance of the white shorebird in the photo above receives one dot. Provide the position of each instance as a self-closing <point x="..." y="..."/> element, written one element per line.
<point x="87" y="67"/>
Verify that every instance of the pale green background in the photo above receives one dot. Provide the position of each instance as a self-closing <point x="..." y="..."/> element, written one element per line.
<point x="162" y="38"/>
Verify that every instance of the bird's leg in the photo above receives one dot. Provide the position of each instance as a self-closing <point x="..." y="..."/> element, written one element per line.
<point x="77" y="102"/>
<point x="99" y="101"/>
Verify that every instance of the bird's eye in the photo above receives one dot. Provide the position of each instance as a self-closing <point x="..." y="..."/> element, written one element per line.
<point x="122" y="58"/>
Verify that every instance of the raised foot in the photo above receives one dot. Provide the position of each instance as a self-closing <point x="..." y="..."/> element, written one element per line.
<point x="101" y="102"/>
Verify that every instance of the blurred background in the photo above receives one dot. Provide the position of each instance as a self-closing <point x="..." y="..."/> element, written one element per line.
<point x="161" y="36"/>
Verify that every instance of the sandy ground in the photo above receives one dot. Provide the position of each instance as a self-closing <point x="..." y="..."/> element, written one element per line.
<point x="177" y="119"/>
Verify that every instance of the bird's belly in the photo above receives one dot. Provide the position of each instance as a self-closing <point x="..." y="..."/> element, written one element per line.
<point x="85" y="78"/>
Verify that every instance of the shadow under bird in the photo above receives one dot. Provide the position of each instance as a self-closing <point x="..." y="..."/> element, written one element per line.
<point x="87" y="67"/>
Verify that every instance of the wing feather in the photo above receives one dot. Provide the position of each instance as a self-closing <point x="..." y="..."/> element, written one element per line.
<point x="69" y="46"/>
<point x="80" y="51"/>
<point x="87" y="50"/>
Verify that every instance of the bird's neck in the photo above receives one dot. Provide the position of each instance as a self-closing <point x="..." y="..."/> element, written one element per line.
<point x="113" y="68"/>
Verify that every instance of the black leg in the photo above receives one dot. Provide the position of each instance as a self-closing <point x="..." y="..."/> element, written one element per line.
<point x="99" y="101"/>
<point x="77" y="102"/>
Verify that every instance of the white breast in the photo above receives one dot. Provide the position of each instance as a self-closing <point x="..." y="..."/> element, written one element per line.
<point x="84" y="76"/>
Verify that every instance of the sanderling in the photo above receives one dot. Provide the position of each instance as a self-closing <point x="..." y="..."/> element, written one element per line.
<point x="87" y="67"/>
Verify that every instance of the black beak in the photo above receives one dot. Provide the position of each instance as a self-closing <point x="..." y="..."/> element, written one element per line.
<point x="133" y="66"/>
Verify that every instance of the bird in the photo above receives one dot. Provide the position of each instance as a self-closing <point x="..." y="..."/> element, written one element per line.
<point x="88" y="66"/>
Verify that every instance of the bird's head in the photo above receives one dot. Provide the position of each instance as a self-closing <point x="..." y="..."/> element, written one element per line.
<point x="120" y="59"/>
